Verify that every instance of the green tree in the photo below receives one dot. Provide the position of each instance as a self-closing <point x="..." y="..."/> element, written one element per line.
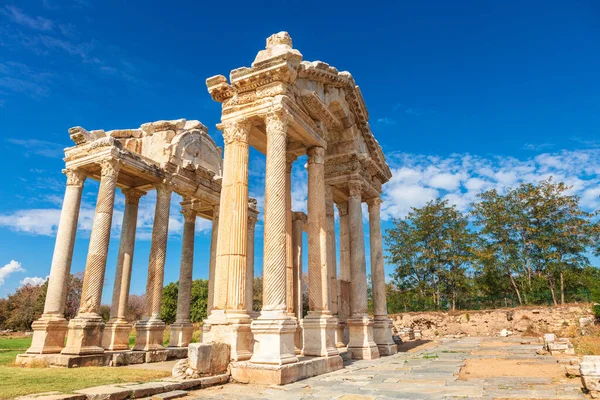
<point x="168" y="304"/>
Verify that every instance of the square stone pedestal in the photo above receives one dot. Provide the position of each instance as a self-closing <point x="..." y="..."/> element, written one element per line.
<point x="116" y="335"/>
<point x="85" y="335"/>
<point x="382" y="335"/>
<point x="48" y="335"/>
<point x="319" y="335"/>
<point x="149" y="335"/>
<point x="236" y="333"/>
<point x="339" y="335"/>
<point x="274" y="339"/>
<point x="247" y="372"/>
<point x="181" y="334"/>
<point x="361" y="345"/>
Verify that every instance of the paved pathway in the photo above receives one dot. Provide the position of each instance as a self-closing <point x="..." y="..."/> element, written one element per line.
<point x="426" y="372"/>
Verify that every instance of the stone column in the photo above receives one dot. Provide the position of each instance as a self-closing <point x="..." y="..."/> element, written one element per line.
<point x="361" y="345"/>
<point x="213" y="260"/>
<point x="50" y="329"/>
<point x="116" y="331"/>
<point x="331" y="265"/>
<point x="344" y="293"/>
<point x="382" y="325"/>
<point x="289" y="278"/>
<point x="252" y="220"/>
<point x="229" y="321"/>
<point x="299" y="220"/>
<point x="319" y="326"/>
<point x="149" y="330"/>
<point x="274" y="329"/>
<point x="182" y="329"/>
<point x="85" y="330"/>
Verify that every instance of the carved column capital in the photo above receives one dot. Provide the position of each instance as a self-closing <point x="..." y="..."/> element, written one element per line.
<point x="316" y="155"/>
<point x="299" y="216"/>
<point x="252" y="220"/>
<point x="237" y="131"/>
<point x="342" y="208"/>
<point x="132" y="195"/>
<point x="189" y="215"/>
<point x="75" y="177"/>
<point x="374" y="202"/>
<point x="110" y="167"/>
<point x="164" y="188"/>
<point x="355" y="188"/>
<point x="277" y="121"/>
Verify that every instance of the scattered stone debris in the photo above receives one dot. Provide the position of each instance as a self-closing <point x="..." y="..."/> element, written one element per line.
<point x="555" y="346"/>
<point x="203" y="360"/>
<point x="417" y="334"/>
<point x="571" y="366"/>
<point x="407" y="333"/>
<point x="590" y="375"/>
<point x="505" y="333"/>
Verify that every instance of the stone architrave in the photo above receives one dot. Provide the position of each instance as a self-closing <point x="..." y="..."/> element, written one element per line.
<point x="116" y="331"/>
<point x="85" y="330"/>
<point x="331" y="265"/>
<point x="252" y="220"/>
<point x="182" y="329"/>
<point x="382" y="325"/>
<point x="149" y="330"/>
<point x="299" y="221"/>
<point x="229" y="321"/>
<point x="361" y="344"/>
<point x="50" y="329"/>
<point x="213" y="260"/>
<point x="319" y="325"/>
<point x="344" y="293"/>
<point x="274" y="329"/>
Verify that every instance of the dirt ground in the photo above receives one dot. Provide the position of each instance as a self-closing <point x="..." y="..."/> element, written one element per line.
<point x="497" y="368"/>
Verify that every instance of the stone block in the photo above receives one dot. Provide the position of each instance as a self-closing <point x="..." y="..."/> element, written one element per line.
<point x="176" y="353"/>
<point x="170" y="395"/>
<point x="52" y="396"/>
<point x="590" y="374"/>
<point x="208" y="358"/>
<point x="214" y="380"/>
<point x="108" y="392"/>
<point x="153" y="356"/>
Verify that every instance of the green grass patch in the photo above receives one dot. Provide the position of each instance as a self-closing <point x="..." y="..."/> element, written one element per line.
<point x="428" y="356"/>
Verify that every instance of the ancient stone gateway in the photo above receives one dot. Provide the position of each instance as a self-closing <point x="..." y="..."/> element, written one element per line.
<point x="285" y="107"/>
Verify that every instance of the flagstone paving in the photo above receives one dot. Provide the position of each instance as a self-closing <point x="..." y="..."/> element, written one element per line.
<point x="428" y="372"/>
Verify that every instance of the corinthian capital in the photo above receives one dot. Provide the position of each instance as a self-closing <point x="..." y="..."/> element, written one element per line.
<point x="74" y="177"/>
<point x="355" y="188"/>
<point x="133" y="195"/>
<point x="237" y="131"/>
<point x="316" y="155"/>
<point x="277" y="121"/>
<point x="189" y="215"/>
<point x="110" y="167"/>
<point x="375" y="202"/>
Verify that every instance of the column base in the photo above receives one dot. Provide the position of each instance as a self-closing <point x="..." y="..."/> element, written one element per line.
<point x="181" y="334"/>
<point x="274" y="339"/>
<point x="319" y="335"/>
<point x="339" y="334"/>
<point x="85" y="335"/>
<point x="116" y="335"/>
<point x="382" y="335"/>
<point x="149" y="334"/>
<point x="232" y="329"/>
<point x="361" y="345"/>
<point x="48" y="335"/>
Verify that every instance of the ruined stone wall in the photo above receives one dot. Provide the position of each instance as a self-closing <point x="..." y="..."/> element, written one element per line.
<point x="521" y="321"/>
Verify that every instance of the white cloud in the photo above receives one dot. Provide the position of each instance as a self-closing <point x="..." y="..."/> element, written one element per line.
<point x="459" y="178"/>
<point x="33" y="281"/>
<point x="12" y="267"/>
<point x="19" y="17"/>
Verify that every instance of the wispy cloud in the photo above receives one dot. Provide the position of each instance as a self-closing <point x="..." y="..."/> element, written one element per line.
<point x="385" y="121"/>
<point x="18" y="16"/>
<point x="537" y="146"/>
<point x="8" y="269"/>
<point x="39" y="147"/>
<point x="33" y="281"/>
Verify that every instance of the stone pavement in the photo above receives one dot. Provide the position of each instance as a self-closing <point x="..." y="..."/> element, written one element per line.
<point x="430" y="371"/>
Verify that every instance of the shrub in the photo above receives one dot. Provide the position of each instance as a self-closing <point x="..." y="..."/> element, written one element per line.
<point x="596" y="310"/>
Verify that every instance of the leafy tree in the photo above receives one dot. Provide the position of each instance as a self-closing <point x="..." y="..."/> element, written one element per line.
<point x="198" y="301"/>
<point x="168" y="304"/>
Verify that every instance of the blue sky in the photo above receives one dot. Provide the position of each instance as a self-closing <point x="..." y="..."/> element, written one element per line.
<point x="463" y="96"/>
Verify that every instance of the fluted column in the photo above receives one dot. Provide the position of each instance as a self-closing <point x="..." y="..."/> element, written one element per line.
<point x="229" y="321"/>
<point x="50" y="329"/>
<point x="252" y="219"/>
<point x="382" y="325"/>
<point x="274" y="329"/>
<point x="85" y="330"/>
<point x="299" y="220"/>
<point x="182" y="329"/>
<point x="361" y="345"/>
<point x="344" y="293"/>
<point x="213" y="260"/>
<point x="290" y="291"/>
<point x="149" y="330"/>
<point x="116" y="331"/>
<point x="318" y="325"/>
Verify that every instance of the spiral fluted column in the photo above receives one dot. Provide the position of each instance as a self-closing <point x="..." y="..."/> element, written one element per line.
<point x="182" y="329"/>
<point x="116" y="331"/>
<point x="274" y="329"/>
<point x="361" y="344"/>
<point x="331" y="265"/>
<point x="289" y="281"/>
<point x="344" y="293"/>
<point x="252" y="220"/>
<point x="149" y="330"/>
<point x="319" y="326"/>
<point x="50" y="329"/>
<point x="85" y="330"/>
<point x="382" y="325"/>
